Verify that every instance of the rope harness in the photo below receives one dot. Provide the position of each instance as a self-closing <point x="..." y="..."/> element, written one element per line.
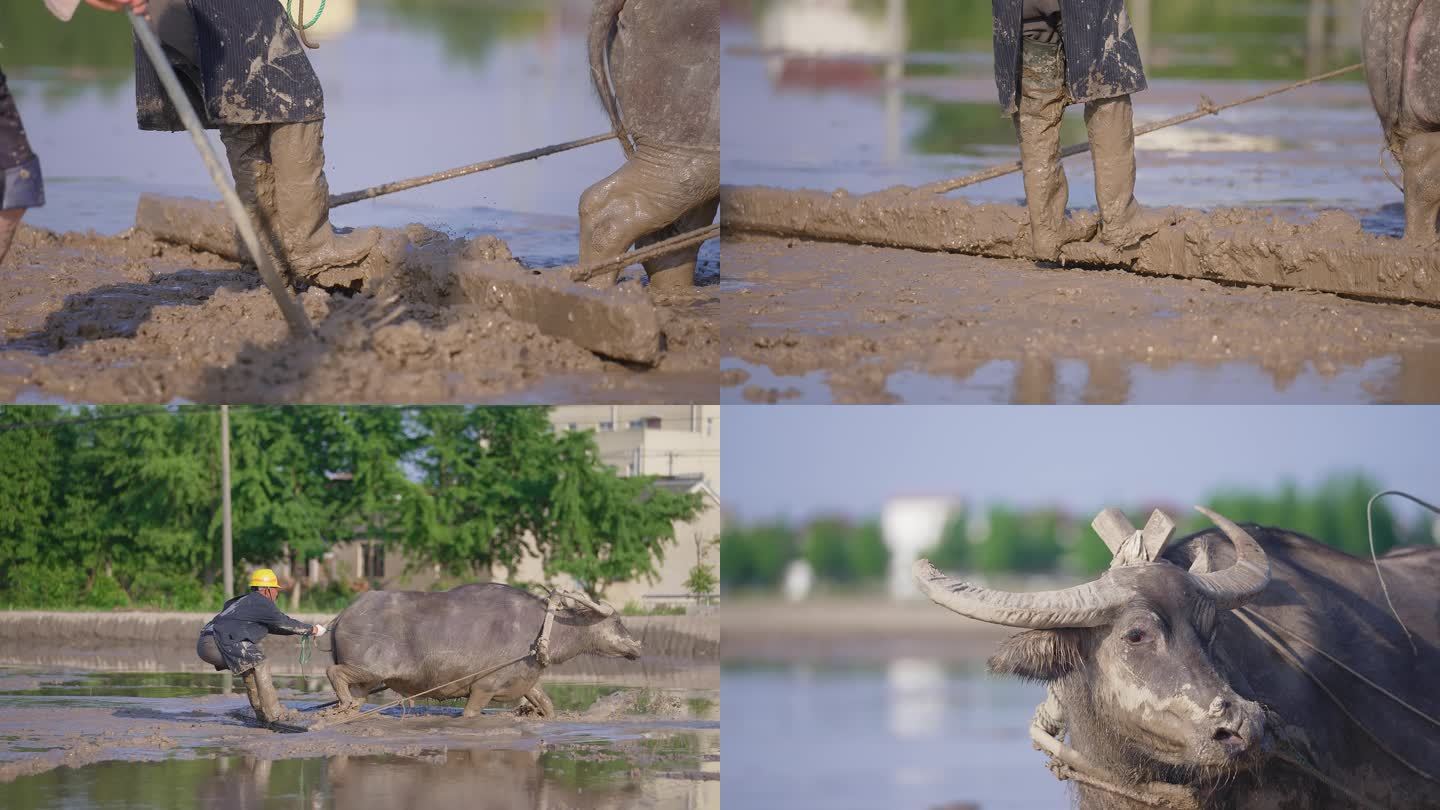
<point x="295" y="20"/>
<point x="540" y="651"/>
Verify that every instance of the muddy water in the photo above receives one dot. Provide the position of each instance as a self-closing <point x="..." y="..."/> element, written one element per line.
<point x="866" y="109"/>
<point x="85" y="319"/>
<point x="911" y="734"/>
<point x="164" y="740"/>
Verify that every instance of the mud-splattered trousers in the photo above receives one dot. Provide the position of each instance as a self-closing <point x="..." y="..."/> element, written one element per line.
<point x="1102" y="59"/>
<point x="247" y="75"/>
<point x="21" y="185"/>
<point x="1044" y="92"/>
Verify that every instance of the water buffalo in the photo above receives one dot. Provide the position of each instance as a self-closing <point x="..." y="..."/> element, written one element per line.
<point x="662" y="93"/>
<point x="1201" y="673"/>
<point x="412" y="641"/>
<point x="1401" y="40"/>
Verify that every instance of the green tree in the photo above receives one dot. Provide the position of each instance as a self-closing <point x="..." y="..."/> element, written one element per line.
<point x="755" y="556"/>
<point x="498" y="483"/>
<point x="701" y="581"/>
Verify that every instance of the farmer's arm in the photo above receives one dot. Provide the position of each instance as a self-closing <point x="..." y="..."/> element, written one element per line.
<point x="277" y="622"/>
<point x="65" y="9"/>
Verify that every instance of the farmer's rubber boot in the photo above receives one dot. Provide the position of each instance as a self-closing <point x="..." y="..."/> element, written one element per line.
<point x="302" y="204"/>
<point x="1110" y="125"/>
<point x="1040" y="107"/>
<point x="263" y="698"/>
<point x="247" y="146"/>
<point x="252" y="692"/>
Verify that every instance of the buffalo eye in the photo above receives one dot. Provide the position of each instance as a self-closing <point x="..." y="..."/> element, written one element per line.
<point x="1135" y="635"/>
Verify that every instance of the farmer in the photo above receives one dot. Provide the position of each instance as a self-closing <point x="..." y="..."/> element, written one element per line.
<point x="21" y="185"/>
<point x="231" y="641"/>
<point x="1053" y="53"/>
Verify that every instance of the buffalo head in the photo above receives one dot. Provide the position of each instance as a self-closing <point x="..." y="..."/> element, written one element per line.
<point x="1130" y="651"/>
<point x="606" y="634"/>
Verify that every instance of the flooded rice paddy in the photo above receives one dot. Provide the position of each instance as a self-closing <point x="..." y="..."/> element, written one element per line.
<point x="171" y="740"/>
<point x="910" y="734"/>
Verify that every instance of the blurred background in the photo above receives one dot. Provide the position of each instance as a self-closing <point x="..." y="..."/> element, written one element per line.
<point x="411" y="87"/>
<point x="866" y="94"/>
<point x="873" y="696"/>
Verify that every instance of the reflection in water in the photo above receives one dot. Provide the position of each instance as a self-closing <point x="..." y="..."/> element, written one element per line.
<point x="599" y="776"/>
<point x="1409" y="377"/>
<point x="912" y="735"/>
<point x="917" y="697"/>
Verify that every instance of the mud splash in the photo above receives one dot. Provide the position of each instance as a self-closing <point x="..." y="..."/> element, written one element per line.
<point x="858" y="318"/>
<point x="1329" y="254"/>
<point x="130" y="318"/>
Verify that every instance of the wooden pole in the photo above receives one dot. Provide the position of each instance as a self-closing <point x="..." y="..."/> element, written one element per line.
<point x="227" y="549"/>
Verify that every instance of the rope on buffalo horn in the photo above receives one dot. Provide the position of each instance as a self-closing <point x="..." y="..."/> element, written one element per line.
<point x="1067" y="763"/>
<point x="542" y="644"/>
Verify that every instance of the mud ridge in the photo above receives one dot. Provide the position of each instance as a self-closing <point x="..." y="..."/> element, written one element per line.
<point x="1330" y="253"/>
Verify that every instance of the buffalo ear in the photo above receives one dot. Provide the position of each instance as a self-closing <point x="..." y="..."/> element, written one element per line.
<point x="1038" y="655"/>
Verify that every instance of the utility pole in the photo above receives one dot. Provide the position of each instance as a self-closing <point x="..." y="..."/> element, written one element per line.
<point x="225" y="500"/>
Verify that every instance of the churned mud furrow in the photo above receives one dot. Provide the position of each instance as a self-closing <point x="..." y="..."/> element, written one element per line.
<point x="858" y="317"/>
<point x="1330" y="253"/>
<point x="130" y="318"/>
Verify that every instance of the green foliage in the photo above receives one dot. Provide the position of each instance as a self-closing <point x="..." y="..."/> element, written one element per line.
<point x="1012" y="540"/>
<point x="113" y="506"/>
<point x="953" y="551"/>
<point x="755" y="556"/>
<point x="637" y="609"/>
<point x="702" y="581"/>
<point x="844" y="553"/>
<point x="332" y="597"/>
<point x="498" y="482"/>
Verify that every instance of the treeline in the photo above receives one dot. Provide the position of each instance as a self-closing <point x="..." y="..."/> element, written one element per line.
<point x="121" y="506"/>
<point x="1000" y="539"/>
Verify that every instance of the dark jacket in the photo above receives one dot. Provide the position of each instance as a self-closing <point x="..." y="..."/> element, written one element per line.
<point x="1092" y="71"/>
<point x="240" y="60"/>
<point x="240" y="626"/>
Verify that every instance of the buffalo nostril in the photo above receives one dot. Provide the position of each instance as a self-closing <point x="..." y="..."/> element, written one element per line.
<point x="1223" y="734"/>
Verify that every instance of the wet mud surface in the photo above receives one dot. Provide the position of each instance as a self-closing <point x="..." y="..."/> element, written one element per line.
<point x="70" y="736"/>
<point x="119" y="318"/>
<point x="805" y="321"/>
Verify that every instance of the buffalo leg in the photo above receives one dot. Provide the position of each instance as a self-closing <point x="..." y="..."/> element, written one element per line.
<point x="677" y="270"/>
<point x="477" y="701"/>
<point x="544" y="707"/>
<point x="344" y="676"/>
<point x="1420" y="161"/>
<point x="657" y="186"/>
<point x="617" y="211"/>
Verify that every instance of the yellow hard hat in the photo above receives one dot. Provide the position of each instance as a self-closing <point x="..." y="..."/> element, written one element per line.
<point x="264" y="578"/>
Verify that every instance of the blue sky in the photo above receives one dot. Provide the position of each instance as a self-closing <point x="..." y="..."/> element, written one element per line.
<point x="800" y="460"/>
